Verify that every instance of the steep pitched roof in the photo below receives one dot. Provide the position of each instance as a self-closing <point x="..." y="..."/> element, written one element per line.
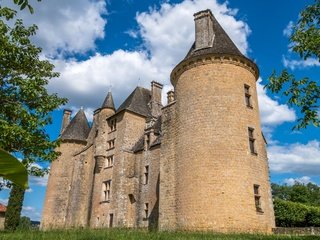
<point x="137" y="102"/>
<point x="3" y="208"/>
<point x="108" y="102"/>
<point x="78" y="128"/>
<point x="222" y="44"/>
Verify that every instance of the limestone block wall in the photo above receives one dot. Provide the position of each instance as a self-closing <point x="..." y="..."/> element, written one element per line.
<point x="167" y="194"/>
<point x="129" y="128"/>
<point x="216" y="172"/>
<point x="148" y="198"/>
<point x="59" y="186"/>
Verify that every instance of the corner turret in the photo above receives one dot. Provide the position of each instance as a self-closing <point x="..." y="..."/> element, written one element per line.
<point x="78" y="129"/>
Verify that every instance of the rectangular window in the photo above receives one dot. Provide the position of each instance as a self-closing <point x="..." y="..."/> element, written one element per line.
<point x="106" y="190"/>
<point x="111" y="143"/>
<point x="146" y="174"/>
<point x="109" y="162"/>
<point x="252" y="141"/>
<point x="146" y="210"/>
<point x="111" y="220"/>
<point x="247" y="96"/>
<point x="257" y="197"/>
<point x="113" y="125"/>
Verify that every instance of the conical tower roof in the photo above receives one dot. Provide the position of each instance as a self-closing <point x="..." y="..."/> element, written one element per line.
<point x="222" y="44"/>
<point x="78" y="128"/>
<point x="108" y="102"/>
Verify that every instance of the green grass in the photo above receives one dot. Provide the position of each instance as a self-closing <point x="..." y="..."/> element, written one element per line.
<point x="125" y="234"/>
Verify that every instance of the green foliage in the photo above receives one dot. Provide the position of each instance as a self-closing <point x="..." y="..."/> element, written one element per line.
<point x="25" y="103"/>
<point x="308" y="194"/>
<point x="12" y="169"/>
<point x="12" y="216"/>
<point x="24" y="224"/>
<point x="303" y="93"/>
<point x="127" y="234"/>
<point x="291" y="214"/>
<point x="23" y="4"/>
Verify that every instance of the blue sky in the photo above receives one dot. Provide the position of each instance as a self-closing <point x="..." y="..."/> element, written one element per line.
<point x="125" y="43"/>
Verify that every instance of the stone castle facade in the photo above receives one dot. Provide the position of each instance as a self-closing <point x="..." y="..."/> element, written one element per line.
<point x="197" y="163"/>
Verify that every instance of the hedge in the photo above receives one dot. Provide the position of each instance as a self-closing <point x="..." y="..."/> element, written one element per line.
<point x="292" y="214"/>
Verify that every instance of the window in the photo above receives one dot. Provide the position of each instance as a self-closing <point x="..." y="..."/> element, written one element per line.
<point x="109" y="162"/>
<point x="252" y="141"/>
<point x="106" y="190"/>
<point x="113" y="125"/>
<point x="111" y="144"/>
<point x="247" y="96"/>
<point x="257" y="197"/>
<point x="111" y="220"/>
<point x="146" y="174"/>
<point x="146" y="210"/>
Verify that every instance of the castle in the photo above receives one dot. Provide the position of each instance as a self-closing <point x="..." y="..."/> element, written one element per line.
<point x="197" y="163"/>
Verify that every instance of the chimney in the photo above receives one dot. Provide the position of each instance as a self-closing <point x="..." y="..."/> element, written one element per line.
<point x="156" y="89"/>
<point x="204" y="29"/>
<point x="170" y="97"/>
<point x="65" y="119"/>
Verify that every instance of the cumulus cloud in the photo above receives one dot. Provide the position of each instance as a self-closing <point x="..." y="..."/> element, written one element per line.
<point x="4" y="201"/>
<point x="38" y="181"/>
<point x="288" y="30"/>
<point x="302" y="180"/>
<point x="31" y="212"/>
<point x="85" y="83"/>
<point x="298" y="158"/>
<point x="70" y="26"/>
<point x="272" y="112"/>
<point x="293" y="64"/>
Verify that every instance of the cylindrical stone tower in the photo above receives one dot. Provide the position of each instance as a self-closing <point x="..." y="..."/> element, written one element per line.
<point x="222" y="178"/>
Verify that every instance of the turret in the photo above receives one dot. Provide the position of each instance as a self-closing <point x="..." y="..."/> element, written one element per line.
<point x="221" y="168"/>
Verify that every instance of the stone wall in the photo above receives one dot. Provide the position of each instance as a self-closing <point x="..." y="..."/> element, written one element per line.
<point x="216" y="171"/>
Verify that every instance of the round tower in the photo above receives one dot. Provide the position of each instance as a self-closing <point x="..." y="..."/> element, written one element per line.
<point x="222" y="178"/>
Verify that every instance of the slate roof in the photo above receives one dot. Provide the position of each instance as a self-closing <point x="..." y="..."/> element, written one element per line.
<point x="108" y="102"/>
<point x="78" y="128"/>
<point x="3" y="208"/>
<point x="137" y="102"/>
<point x="222" y="44"/>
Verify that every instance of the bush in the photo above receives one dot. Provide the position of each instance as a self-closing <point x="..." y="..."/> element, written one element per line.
<point x="291" y="214"/>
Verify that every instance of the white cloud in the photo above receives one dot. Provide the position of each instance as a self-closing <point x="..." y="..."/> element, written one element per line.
<point x="293" y="64"/>
<point x="302" y="180"/>
<point x="38" y="181"/>
<point x="85" y="83"/>
<point x="297" y="158"/>
<point x="67" y="26"/>
<point x="272" y="112"/>
<point x="4" y="201"/>
<point x="288" y="30"/>
<point x="31" y="212"/>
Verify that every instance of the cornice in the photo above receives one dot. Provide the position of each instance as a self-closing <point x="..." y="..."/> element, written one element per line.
<point x="213" y="59"/>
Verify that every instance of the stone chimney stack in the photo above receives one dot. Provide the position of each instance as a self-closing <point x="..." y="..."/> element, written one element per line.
<point x="156" y="89"/>
<point x="170" y="97"/>
<point x="65" y="119"/>
<point x="204" y="29"/>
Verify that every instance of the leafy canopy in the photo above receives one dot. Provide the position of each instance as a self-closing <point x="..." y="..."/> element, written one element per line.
<point x="303" y="93"/>
<point x="24" y="100"/>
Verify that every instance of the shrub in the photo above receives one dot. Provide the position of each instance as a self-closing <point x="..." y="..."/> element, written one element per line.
<point x="291" y="214"/>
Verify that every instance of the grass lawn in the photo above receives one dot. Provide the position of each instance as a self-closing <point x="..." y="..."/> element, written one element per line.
<point x="121" y="234"/>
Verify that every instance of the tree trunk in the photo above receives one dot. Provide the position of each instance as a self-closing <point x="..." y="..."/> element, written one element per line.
<point x="12" y="217"/>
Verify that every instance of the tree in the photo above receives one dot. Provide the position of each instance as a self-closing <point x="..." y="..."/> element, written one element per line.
<point x="308" y="194"/>
<point x="25" y="103"/>
<point x="303" y="93"/>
